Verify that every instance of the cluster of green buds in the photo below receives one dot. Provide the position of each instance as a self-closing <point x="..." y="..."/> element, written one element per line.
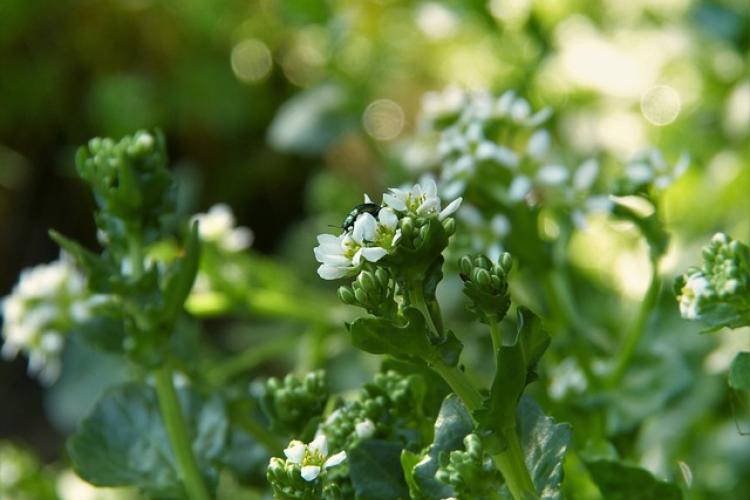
<point x="470" y="472"/>
<point x="302" y="475"/>
<point x="134" y="191"/>
<point x="486" y="286"/>
<point x="373" y="290"/>
<point x="718" y="292"/>
<point x="131" y="184"/>
<point x="293" y="404"/>
<point x="384" y="408"/>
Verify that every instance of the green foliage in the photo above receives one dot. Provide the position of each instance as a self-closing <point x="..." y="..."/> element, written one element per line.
<point x="621" y="481"/>
<point x="123" y="442"/>
<point x="739" y="372"/>
<point x="375" y="470"/>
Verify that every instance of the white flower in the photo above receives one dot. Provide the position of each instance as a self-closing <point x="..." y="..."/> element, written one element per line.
<point x="519" y="188"/>
<point x="421" y="200"/>
<point x="552" y="175"/>
<point x="339" y="256"/>
<point x="39" y="311"/>
<point x="695" y="288"/>
<point x="313" y="457"/>
<point x="364" y="429"/>
<point x="218" y="226"/>
<point x="538" y="145"/>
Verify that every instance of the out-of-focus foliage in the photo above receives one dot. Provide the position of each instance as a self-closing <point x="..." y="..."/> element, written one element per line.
<point x="289" y="110"/>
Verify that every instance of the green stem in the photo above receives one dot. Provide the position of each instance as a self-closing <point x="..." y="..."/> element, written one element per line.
<point x="497" y="336"/>
<point x="250" y="358"/>
<point x="269" y="440"/>
<point x="460" y="384"/>
<point x="513" y="467"/>
<point x="638" y="327"/>
<point x="416" y="295"/>
<point x="187" y="466"/>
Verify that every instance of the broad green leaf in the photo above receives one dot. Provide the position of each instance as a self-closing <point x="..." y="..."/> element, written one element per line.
<point x="409" y="460"/>
<point x="619" y="481"/>
<point x="544" y="444"/>
<point x="375" y="470"/>
<point x="381" y="336"/>
<point x="123" y="441"/>
<point x="739" y="372"/>
<point x="515" y="369"/>
<point x="451" y="427"/>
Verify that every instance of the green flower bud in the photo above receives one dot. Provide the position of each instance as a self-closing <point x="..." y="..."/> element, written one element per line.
<point x="292" y="404"/>
<point x="368" y="283"/>
<point x="360" y="295"/>
<point x="449" y="225"/>
<point x="407" y="227"/>
<point x="506" y="262"/>
<point x="471" y="473"/>
<point x="719" y="291"/>
<point x="486" y="286"/>
<point x="382" y="276"/>
<point x="346" y="295"/>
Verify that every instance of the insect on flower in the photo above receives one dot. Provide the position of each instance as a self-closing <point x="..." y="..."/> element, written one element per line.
<point x="369" y="208"/>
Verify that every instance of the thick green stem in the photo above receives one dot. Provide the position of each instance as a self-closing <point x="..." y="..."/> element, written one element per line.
<point x="416" y="296"/>
<point x="187" y="466"/>
<point x="638" y="327"/>
<point x="251" y="358"/>
<point x="497" y="337"/>
<point x="460" y="384"/>
<point x="513" y="467"/>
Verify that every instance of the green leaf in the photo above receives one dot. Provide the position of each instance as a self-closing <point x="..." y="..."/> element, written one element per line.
<point x="181" y="279"/>
<point x="96" y="269"/>
<point x="449" y="348"/>
<point x="516" y="365"/>
<point x="544" y="444"/>
<point x="375" y="470"/>
<point x="409" y="460"/>
<point x="382" y="336"/>
<point x="619" y="481"/>
<point x="451" y="427"/>
<point x="739" y="372"/>
<point x="123" y="441"/>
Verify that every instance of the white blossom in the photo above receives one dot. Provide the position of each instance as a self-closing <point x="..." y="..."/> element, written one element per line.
<point x="421" y="200"/>
<point x="218" y="226"/>
<point x="313" y="457"/>
<point x="370" y="239"/>
<point x="39" y="311"/>
<point x="364" y="429"/>
<point x="696" y="287"/>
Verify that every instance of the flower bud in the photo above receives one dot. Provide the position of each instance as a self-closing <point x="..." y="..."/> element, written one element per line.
<point x="367" y="282"/>
<point x="382" y="276"/>
<point x="361" y="295"/>
<point x="346" y="295"/>
<point x="465" y="264"/>
<point x="506" y="262"/>
<point x="449" y="225"/>
<point x="407" y="226"/>
<point x="482" y="277"/>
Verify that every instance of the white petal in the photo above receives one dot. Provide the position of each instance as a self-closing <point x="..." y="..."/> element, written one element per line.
<point x="364" y="429"/>
<point x="357" y="259"/>
<point x="538" y="144"/>
<point x="364" y="228"/>
<point x="295" y="452"/>
<point x="552" y="175"/>
<point x="452" y="207"/>
<point x="329" y="239"/>
<point x="310" y="472"/>
<point x="319" y="444"/>
<point x="681" y="166"/>
<point x="335" y="459"/>
<point x="367" y="199"/>
<point x="395" y="202"/>
<point x="585" y="175"/>
<point x="373" y="254"/>
<point x="519" y="188"/>
<point x="334" y="260"/>
<point x="396" y="237"/>
<point x="428" y="186"/>
<point x="506" y="156"/>
<point x="539" y="117"/>
<point x="388" y="217"/>
<point x="333" y="273"/>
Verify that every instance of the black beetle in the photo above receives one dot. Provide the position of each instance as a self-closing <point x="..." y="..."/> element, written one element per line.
<point x="369" y="208"/>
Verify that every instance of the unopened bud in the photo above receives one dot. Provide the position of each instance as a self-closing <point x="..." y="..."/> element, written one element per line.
<point x="361" y="296"/>
<point x="465" y="264"/>
<point x="482" y="277"/>
<point x="407" y="226"/>
<point x="381" y="275"/>
<point x="367" y="282"/>
<point x="506" y="262"/>
<point x="346" y="295"/>
<point x="449" y="225"/>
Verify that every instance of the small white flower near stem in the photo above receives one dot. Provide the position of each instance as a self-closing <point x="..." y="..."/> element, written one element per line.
<point x="313" y="457"/>
<point x="696" y="287"/>
<point x="218" y="225"/>
<point x="421" y="200"/>
<point x="365" y="429"/>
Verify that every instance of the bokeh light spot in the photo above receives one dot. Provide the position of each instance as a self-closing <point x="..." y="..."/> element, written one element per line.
<point x="251" y="60"/>
<point x="660" y="105"/>
<point x="383" y="119"/>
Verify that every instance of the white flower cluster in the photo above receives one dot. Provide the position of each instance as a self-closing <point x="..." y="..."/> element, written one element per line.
<point x="696" y="288"/>
<point x="40" y="311"/>
<point x="649" y="167"/>
<point x="218" y="226"/>
<point x="373" y="237"/>
<point x="312" y="458"/>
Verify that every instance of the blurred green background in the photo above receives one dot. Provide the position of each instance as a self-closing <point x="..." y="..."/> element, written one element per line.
<point x="289" y="110"/>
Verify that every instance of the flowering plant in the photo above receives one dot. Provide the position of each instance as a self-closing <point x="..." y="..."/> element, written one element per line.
<point x="457" y="290"/>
